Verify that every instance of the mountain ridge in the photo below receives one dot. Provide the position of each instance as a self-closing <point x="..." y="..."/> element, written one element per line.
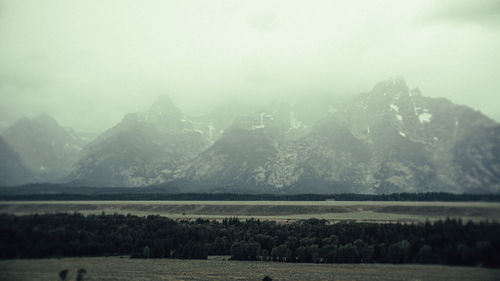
<point x="391" y="139"/>
<point x="45" y="147"/>
<point x="386" y="140"/>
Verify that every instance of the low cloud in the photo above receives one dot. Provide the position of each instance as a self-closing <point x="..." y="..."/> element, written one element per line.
<point x="89" y="62"/>
<point x="484" y="12"/>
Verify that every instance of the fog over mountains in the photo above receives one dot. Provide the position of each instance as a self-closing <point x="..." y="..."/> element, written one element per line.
<point x="45" y="147"/>
<point x="389" y="139"/>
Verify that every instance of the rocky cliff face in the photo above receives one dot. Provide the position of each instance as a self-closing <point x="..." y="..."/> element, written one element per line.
<point x="415" y="138"/>
<point x="140" y="148"/>
<point x="476" y="160"/>
<point x="44" y="146"/>
<point x="391" y="139"/>
<point x="253" y="153"/>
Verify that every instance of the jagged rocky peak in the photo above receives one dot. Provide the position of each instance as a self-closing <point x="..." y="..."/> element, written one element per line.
<point x="41" y="127"/>
<point x="163" y="109"/>
<point x="166" y="116"/>
<point x="391" y="87"/>
<point x="26" y="123"/>
<point x="139" y="148"/>
<point x="415" y="92"/>
<point x="44" y="146"/>
<point x="43" y="124"/>
<point x="131" y="118"/>
<point x="385" y="96"/>
<point x="39" y="122"/>
<point x="45" y="119"/>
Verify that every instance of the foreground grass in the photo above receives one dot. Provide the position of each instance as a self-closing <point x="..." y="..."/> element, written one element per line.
<point x="123" y="268"/>
<point x="367" y="211"/>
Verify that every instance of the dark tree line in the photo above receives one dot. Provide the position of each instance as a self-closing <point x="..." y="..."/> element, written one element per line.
<point x="112" y="194"/>
<point x="443" y="242"/>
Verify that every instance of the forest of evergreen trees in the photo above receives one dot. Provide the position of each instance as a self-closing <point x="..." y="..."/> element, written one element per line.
<point x="114" y="195"/>
<point x="64" y="235"/>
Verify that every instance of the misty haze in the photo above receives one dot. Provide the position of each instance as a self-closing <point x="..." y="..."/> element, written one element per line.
<point x="335" y="132"/>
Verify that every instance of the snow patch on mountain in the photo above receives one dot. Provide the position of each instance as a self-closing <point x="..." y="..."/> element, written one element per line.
<point x="394" y="107"/>
<point x="261" y="125"/>
<point x="294" y="123"/>
<point x="424" y="117"/>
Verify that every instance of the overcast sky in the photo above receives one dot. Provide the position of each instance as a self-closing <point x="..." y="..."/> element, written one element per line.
<point x="88" y="63"/>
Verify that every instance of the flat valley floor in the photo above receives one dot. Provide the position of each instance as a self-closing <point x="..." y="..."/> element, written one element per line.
<point x="280" y="211"/>
<point x="123" y="268"/>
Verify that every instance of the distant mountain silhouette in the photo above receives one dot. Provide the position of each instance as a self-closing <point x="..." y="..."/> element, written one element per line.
<point x="45" y="147"/>
<point x="12" y="169"/>
<point x="390" y="139"/>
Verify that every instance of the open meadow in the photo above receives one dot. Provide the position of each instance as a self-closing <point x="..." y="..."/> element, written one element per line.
<point x="123" y="268"/>
<point x="281" y="211"/>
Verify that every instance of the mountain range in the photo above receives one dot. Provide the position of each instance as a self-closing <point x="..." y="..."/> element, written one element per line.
<point x="390" y="139"/>
<point x="13" y="171"/>
<point x="46" y="148"/>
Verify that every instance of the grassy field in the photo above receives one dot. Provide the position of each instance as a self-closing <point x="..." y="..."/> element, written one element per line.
<point x="116" y="268"/>
<point x="369" y="211"/>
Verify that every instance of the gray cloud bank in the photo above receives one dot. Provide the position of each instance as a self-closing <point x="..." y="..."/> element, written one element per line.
<point x="486" y="12"/>
<point x="89" y="62"/>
